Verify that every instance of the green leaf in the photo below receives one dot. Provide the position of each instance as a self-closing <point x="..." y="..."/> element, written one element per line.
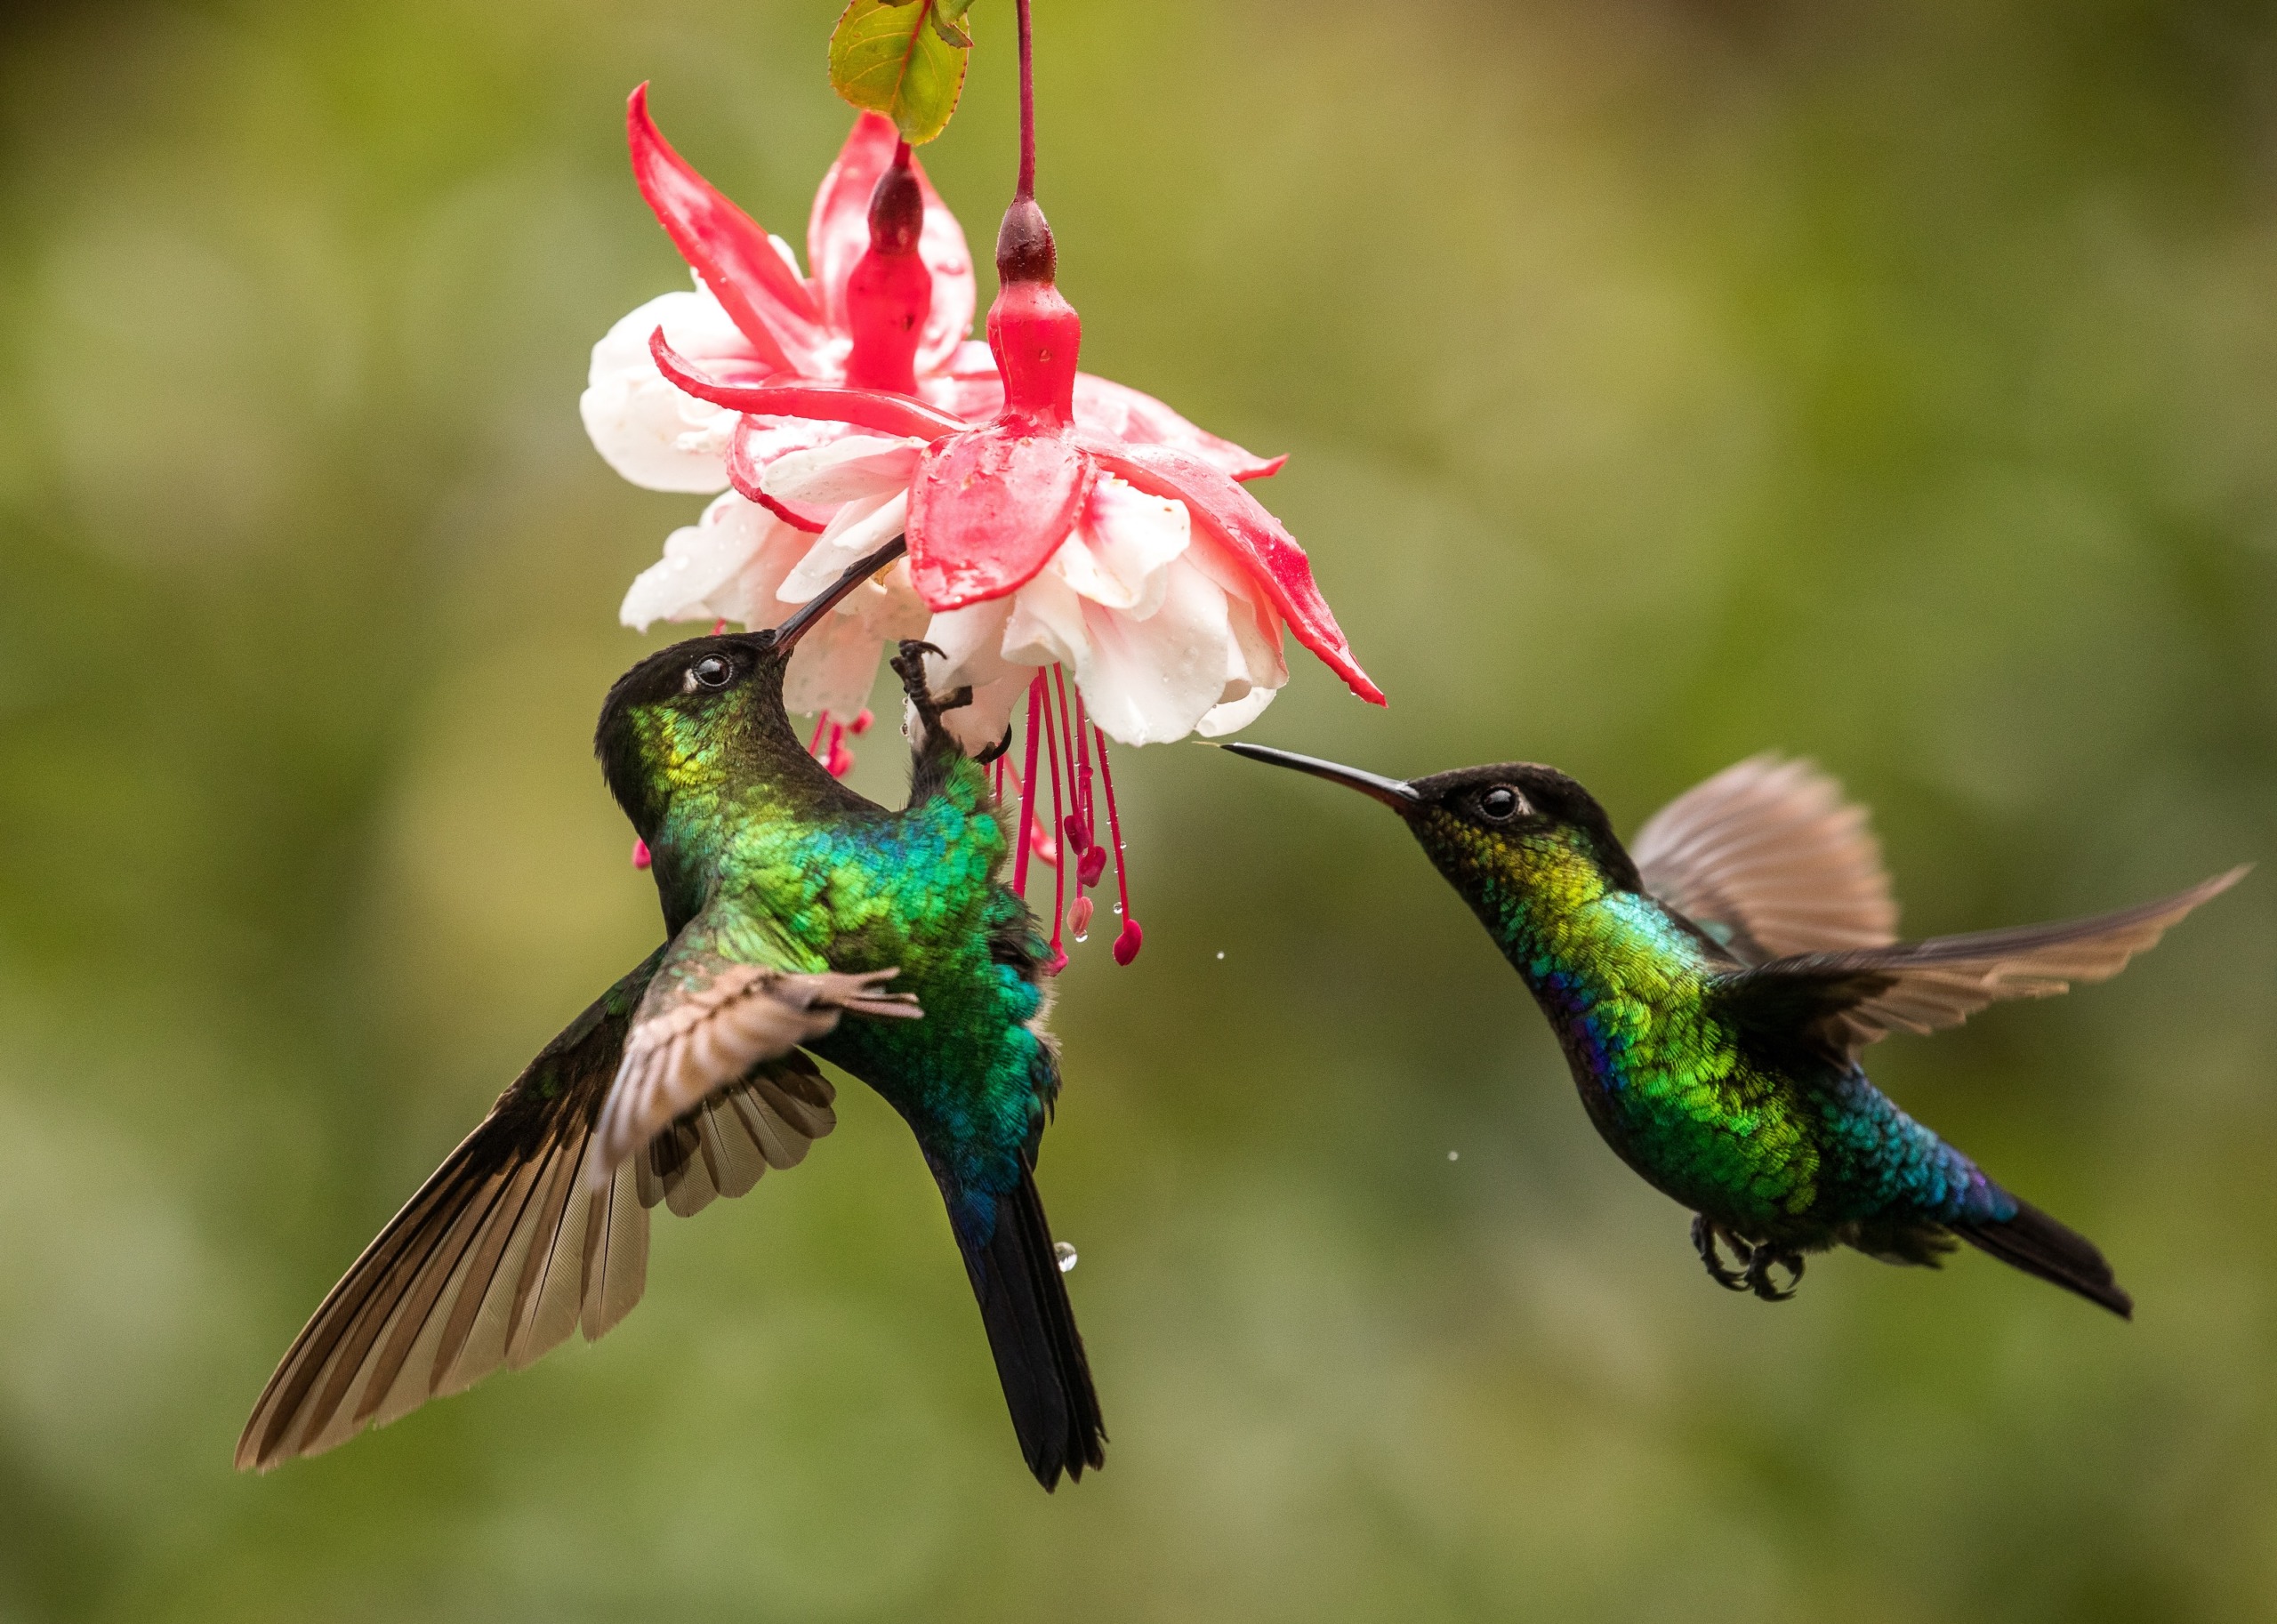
<point x="905" y="59"/>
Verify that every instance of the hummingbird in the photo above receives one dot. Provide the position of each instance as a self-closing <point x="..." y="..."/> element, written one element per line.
<point x="789" y="904"/>
<point x="1715" y="985"/>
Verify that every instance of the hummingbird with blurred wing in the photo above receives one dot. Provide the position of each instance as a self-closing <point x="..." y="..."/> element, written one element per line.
<point x="791" y="902"/>
<point x="1714" y="987"/>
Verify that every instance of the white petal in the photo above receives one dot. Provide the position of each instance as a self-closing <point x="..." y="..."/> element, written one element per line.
<point x="1046" y="625"/>
<point x="1149" y="681"/>
<point x="844" y="471"/>
<point x="644" y="427"/>
<point x="1235" y="714"/>
<point x="858" y="530"/>
<point x="833" y="667"/>
<point x="971" y="643"/>
<point x="1123" y="542"/>
<point x="701" y="561"/>
<point x="982" y="723"/>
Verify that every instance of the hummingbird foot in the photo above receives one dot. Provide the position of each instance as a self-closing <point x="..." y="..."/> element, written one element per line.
<point x="909" y="665"/>
<point x="1706" y="1233"/>
<point x="1758" y="1273"/>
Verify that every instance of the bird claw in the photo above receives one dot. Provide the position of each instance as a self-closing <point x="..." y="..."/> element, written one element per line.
<point x="1705" y="1234"/>
<point x="909" y="665"/>
<point x="1758" y="1273"/>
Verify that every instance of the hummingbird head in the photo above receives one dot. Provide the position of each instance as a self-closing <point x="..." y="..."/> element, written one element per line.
<point x="1515" y="833"/>
<point x="708" y="713"/>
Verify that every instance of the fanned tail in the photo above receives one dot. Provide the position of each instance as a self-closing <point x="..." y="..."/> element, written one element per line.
<point x="1008" y="1252"/>
<point x="2036" y="1243"/>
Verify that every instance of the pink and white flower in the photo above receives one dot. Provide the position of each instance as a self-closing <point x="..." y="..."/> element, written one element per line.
<point x="887" y="308"/>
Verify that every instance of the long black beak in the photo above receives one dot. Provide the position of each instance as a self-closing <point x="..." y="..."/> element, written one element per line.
<point x="1399" y="796"/>
<point x="807" y="614"/>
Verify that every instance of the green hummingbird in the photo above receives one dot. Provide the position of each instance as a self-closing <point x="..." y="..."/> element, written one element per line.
<point x="790" y="902"/>
<point x="1714" y="987"/>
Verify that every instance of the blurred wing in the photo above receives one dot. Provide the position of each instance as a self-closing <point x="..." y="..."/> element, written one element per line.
<point x="706" y="1020"/>
<point x="1769" y="860"/>
<point x="1842" y="1001"/>
<point x="506" y="1249"/>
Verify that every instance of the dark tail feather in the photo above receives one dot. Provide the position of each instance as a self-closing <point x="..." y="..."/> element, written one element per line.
<point x="2036" y="1243"/>
<point x="1031" y="1329"/>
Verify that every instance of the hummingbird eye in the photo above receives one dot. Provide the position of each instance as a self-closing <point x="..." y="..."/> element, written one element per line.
<point x="1502" y="803"/>
<point x="712" y="671"/>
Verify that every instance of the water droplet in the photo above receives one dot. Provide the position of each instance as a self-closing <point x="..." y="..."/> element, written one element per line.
<point x="1221" y="955"/>
<point x="1454" y="1154"/>
<point x="1065" y="1254"/>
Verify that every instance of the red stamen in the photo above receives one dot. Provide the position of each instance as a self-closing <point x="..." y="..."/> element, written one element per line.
<point x="838" y="760"/>
<point x="1094" y="863"/>
<point x="1027" y="790"/>
<point x="860" y="725"/>
<point x="1074" y="829"/>
<point x="719" y="625"/>
<point x="1127" y="942"/>
<point x="1059" y="870"/>
<point x="814" y="744"/>
<point x="640" y="858"/>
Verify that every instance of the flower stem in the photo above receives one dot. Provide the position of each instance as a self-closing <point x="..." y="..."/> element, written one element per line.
<point x="1026" y="186"/>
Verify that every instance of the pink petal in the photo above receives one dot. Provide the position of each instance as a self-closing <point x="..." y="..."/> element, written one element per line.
<point x="727" y="248"/>
<point x="1240" y="523"/>
<point x="827" y="402"/>
<point x="838" y="231"/>
<point x="1120" y="412"/>
<point x="987" y="510"/>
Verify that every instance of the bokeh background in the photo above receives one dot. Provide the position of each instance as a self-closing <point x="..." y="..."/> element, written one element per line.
<point x="1665" y="380"/>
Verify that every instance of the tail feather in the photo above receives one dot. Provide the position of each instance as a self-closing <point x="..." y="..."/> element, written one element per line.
<point x="1008" y="1252"/>
<point x="2036" y="1243"/>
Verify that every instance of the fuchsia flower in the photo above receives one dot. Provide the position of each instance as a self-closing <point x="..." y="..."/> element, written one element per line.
<point x="1057" y="523"/>
<point x="887" y="308"/>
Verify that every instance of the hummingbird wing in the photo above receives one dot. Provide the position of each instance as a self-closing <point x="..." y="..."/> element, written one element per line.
<point x="1842" y="1001"/>
<point x="1769" y="860"/>
<point x="505" y="1248"/>
<point x="706" y="1020"/>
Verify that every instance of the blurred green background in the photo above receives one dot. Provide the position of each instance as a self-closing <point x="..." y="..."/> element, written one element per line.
<point x="1666" y="379"/>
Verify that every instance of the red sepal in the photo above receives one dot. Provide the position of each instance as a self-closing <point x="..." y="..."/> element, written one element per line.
<point x="727" y="248"/>
<point x="987" y="510"/>
<point x="1240" y="523"/>
<point x="830" y="403"/>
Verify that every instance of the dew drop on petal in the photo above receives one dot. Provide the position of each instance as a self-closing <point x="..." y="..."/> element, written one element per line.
<point x="1066" y="1255"/>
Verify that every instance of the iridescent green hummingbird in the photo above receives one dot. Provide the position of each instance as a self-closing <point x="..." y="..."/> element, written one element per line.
<point x="790" y="902"/>
<point x="1713" y="988"/>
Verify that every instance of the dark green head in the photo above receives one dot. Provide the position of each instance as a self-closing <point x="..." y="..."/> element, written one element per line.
<point x="1515" y="832"/>
<point x="706" y="716"/>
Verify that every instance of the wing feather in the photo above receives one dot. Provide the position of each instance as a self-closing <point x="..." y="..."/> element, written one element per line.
<point x="1771" y="861"/>
<point x="1843" y="1001"/>
<point x="705" y="1022"/>
<point x="507" y="1248"/>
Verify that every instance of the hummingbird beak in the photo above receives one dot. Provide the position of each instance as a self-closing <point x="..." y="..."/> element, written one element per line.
<point x="807" y="614"/>
<point x="1399" y="796"/>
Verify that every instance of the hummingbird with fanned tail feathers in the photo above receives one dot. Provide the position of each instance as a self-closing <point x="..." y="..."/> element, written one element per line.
<point x="803" y="920"/>
<point x="1714" y="985"/>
